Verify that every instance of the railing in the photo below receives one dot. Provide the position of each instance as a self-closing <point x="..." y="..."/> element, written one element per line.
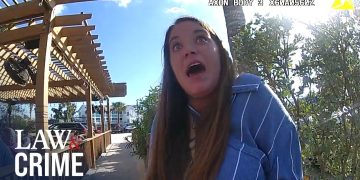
<point x="99" y="141"/>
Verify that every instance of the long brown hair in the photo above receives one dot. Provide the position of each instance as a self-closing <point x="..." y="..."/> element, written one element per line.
<point x="170" y="154"/>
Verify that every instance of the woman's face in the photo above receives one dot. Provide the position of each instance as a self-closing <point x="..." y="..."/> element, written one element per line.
<point x="194" y="58"/>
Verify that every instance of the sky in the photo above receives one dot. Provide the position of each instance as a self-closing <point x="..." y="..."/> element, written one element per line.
<point x="131" y="32"/>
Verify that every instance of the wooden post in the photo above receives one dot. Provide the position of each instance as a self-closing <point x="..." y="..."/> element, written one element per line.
<point x="108" y="113"/>
<point x="42" y="74"/>
<point x="109" y="117"/>
<point x="102" y="114"/>
<point x="102" y="117"/>
<point x="90" y="125"/>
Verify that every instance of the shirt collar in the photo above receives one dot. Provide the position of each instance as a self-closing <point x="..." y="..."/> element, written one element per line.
<point x="193" y="112"/>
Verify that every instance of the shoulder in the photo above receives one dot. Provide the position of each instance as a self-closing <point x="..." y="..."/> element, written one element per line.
<point x="258" y="100"/>
<point x="246" y="82"/>
<point x="252" y="84"/>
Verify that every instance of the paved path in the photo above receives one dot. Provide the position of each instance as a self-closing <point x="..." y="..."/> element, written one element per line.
<point x="117" y="163"/>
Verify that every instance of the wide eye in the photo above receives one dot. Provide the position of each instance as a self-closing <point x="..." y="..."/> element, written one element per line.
<point x="176" y="46"/>
<point x="201" y="39"/>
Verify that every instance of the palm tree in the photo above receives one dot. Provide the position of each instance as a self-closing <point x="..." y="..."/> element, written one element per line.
<point x="234" y="19"/>
<point x="118" y="107"/>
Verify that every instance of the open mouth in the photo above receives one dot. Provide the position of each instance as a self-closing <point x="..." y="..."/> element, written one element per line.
<point x="194" y="69"/>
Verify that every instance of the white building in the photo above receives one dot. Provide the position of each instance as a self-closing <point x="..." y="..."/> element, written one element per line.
<point x="126" y="117"/>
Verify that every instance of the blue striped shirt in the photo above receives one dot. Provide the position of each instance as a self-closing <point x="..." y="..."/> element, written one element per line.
<point x="263" y="141"/>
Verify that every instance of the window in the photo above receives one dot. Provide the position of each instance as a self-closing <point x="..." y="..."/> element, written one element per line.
<point x="127" y="113"/>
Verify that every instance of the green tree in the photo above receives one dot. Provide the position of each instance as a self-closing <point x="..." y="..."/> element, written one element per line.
<point x="325" y="105"/>
<point x="58" y="112"/>
<point x="146" y="109"/>
<point x="64" y="111"/>
<point x="266" y="45"/>
<point x="118" y="107"/>
<point x="70" y="111"/>
<point x="332" y="63"/>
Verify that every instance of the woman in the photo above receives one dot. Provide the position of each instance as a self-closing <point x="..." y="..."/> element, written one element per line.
<point x="210" y="126"/>
<point x="6" y="156"/>
<point x="8" y="135"/>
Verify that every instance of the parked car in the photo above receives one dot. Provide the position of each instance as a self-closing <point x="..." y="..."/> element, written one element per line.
<point x="129" y="128"/>
<point x="73" y="126"/>
<point x="94" y="129"/>
<point x="117" y="128"/>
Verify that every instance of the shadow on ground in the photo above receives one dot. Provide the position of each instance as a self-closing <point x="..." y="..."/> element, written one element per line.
<point x="117" y="164"/>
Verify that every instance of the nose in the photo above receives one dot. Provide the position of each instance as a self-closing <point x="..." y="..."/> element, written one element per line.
<point x="190" y="49"/>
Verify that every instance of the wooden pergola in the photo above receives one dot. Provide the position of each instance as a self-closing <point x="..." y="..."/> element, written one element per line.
<point x="63" y="54"/>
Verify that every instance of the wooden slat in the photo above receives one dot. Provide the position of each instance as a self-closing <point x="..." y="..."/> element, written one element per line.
<point x="97" y="44"/>
<point x="6" y="3"/>
<point x="22" y="11"/>
<point x="80" y="42"/>
<point x="51" y="84"/>
<point x="67" y="66"/>
<point x="15" y="2"/>
<point x="83" y="48"/>
<point x="102" y="83"/>
<point x="21" y="34"/>
<point x="22" y="54"/>
<point x="76" y="31"/>
<point x="66" y="51"/>
<point x="86" y="56"/>
<point x="71" y="20"/>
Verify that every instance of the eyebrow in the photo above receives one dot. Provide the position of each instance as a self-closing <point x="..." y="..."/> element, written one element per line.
<point x="196" y="31"/>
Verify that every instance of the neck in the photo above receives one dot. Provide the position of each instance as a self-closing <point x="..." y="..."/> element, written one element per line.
<point x="201" y="105"/>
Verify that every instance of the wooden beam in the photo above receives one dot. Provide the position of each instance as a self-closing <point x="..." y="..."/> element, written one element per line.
<point x="52" y="99"/>
<point x="21" y="11"/>
<point x="83" y="48"/>
<point x="67" y="99"/>
<point x="71" y="20"/>
<point x="73" y="82"/>
<point x="90" y="57"/>
<point x="76" y="40"/>
<point x="119" y="90"/>
<point x="21" y="34"/>
<point x="75" y="31"/>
